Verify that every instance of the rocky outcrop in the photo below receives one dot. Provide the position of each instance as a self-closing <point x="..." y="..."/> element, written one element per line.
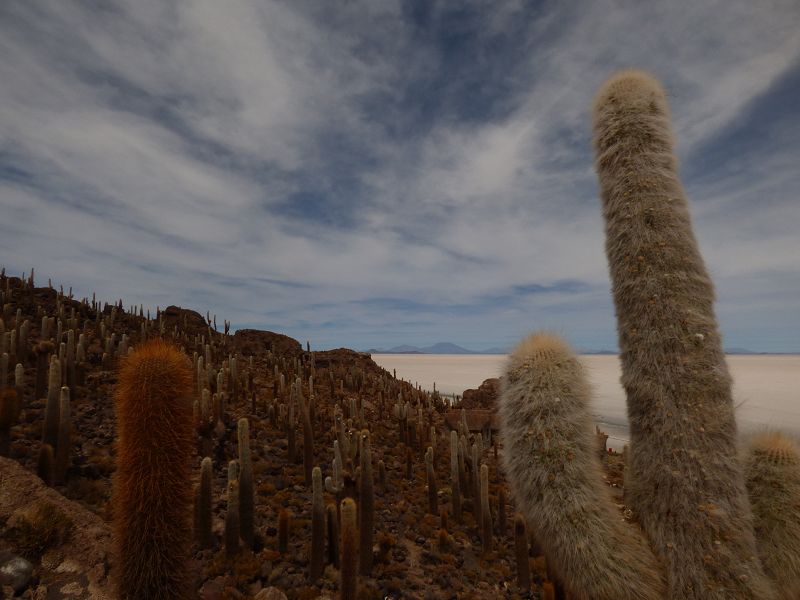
<point x="72" y="564"/>
<point x="485" y="397"/>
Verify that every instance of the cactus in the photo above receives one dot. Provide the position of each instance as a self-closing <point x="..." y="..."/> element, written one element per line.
<point x="64" y="437"/>
<point x="204" y="505"/>
<point x="50" y="433"/>
<point x="430" y="476"/>
<point x="366" y="498"/>
<point x="683" y="432"/>
<point x="232" y="520"/>
<point x="246" y="491"/>
<point x="455" y="486"/>
<point x="9" y="412"/>
<point x="772" y="471"/>
<point x="521" y="553"/>
<point x="317" y="562"/>
<point x="502" y="525"/>
<point x="551" y="462"/>
<point x="43" y="350"/>
<point x="45" y="467"/>
<point x="348" y="555"/>
<point x="283" y="530"/>
<point x="486" y="515"/>
<point x="333" y="534"/>
<point x="152" y="487"/>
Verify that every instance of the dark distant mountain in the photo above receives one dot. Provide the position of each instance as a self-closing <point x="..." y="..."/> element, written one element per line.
<point x="494" y="350"/>
<point x="440" y="348"/>
<point x="446" y="348"/>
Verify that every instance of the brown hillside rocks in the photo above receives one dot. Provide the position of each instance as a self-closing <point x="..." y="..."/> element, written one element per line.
<point x="255" y="341"/>
<point x="484" y="397"/>
<point x="76" y="566"/>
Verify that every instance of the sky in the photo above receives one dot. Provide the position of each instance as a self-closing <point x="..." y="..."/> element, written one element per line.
<point x="366" y="173"/>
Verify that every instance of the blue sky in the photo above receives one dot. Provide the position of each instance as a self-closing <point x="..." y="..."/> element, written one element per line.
<point x="370" y="173"/>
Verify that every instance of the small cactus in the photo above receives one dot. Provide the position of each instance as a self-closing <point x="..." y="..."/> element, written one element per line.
<point x="521" y="553"/>
<point x="46" y="465"/>
<point x="246" y="491"/>
<point x="455" y="485"/>
<point x="9" y="413"/>
<point x="430" y="476"/>
<point x="366" y="498"/>
<point x="317" y="562"/>
<point x="284" y="517"/>
<point x="204" y="505"/>
<point x="348" y="556"/>
<point x="64" y="447"/>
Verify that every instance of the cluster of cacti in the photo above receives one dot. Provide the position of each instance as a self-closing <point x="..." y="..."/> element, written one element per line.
<point x="234" y="407"/>
<point x="684" y="481"/>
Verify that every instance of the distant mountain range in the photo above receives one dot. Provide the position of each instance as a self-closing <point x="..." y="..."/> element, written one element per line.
<point x="450" y="348"/>
<point x="440" y="348"/>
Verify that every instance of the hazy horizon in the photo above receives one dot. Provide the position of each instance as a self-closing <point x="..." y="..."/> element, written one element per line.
<point x="764" y="387"/>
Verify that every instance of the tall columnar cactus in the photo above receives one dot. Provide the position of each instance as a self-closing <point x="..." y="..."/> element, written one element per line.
<point x="772" y="471"/>
<point x="521" y="553"/>
<point x="366" y="498"/>
<point x="284" y="517"/>
<point x="64" y="447"/>
<point x="153" y="489"/>
<point x="551" y="461"/>
<point x="204" y="506"/>
<point x="43" y="350"/>
<point x="246" y="491"/>
<point x="687" y="486"/>
<point x="9" y="412"/>
<point x="348" y="555"/>
<point x="50" y="434"/>
<point x="455" y="487"/>
<point x="332" y="519"/>
<point x="232" y="520"/>
<point x="317" y="562"/>
<point x="486" y="514"/>
<point x="430" y="476"/>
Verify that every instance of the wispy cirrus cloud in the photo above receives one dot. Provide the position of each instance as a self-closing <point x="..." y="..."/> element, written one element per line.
<point x="373" y="173"/>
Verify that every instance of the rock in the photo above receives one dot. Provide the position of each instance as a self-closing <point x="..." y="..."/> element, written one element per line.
<point x="270" y="593"/>
<point x="15" y="571"/>
<point x="484" y="397"/>
<point x="211" y="590"/>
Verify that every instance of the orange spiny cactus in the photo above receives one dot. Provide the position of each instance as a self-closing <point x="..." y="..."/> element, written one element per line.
<point x="152" y="488"/>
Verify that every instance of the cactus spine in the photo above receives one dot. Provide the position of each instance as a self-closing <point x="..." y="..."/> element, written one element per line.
<point x="153" y="490"/>
<point x="348" y="556"/>
<point x="246" y="491"/>
<point x="683" y="432"/>
<point x="772" y="471"/>
<point x="551" y="461"/>
<point x="317" y="563"/>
